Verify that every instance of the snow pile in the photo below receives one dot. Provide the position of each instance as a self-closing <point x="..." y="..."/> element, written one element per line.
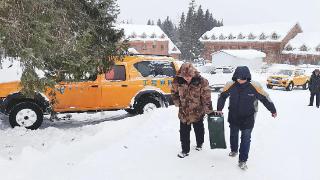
<point x="10" y="70"/>
<point x="274" y="32"/>
<point x="304" y="43"/>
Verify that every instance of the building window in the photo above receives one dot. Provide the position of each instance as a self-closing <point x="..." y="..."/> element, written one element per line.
<point x="162" y="47"/>
<point x="251" y="36"/>
<point x="303" y="48"/>
<point x="275" y="36"/>
<point x="263" y="36"/>
<point x="230" y="37"/>
<point x="154" y="46"/>
<point x="205" y="37"/>
<point x="221" y="37"/>
<point x="240" y="36"/>
<point x="133" y="35"/>
<point x="144" y="47"/>
<point x="213" y="37"/>
<point x="153" y="35"/>
<point x="162" y="36"/>
<point x="289" y="48"/>
<point x="143" y="35"/>
<point x="318" y="48"/>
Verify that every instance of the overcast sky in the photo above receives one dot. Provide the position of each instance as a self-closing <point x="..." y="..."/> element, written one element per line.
<point x="233" y="12"/>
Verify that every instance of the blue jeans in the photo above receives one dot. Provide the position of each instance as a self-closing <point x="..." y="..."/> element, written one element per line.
<point x="245" y="142"/>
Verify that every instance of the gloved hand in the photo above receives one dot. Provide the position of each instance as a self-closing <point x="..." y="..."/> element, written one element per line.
<point x="215" y="113"/>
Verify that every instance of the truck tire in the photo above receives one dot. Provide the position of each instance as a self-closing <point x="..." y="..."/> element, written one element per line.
<point x="146" y="105"/>
<point x="269" y="86"/>
<point x="26" y="114"/>
<point x="306" y="86"/>
<point x="290" y="86"/>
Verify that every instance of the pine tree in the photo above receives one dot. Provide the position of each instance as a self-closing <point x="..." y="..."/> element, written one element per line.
<point x="159" y="23"/>
<point x="168" y="28"/>
<point x="149" y="22"/>
<point x="65" y="39"/>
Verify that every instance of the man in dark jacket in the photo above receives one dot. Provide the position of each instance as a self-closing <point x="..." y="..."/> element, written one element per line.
<point x="243" y="106"/>
<point x="191" y="93"/>
<point x="314" y="87"/>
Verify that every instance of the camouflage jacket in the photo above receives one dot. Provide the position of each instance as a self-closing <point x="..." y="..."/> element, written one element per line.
<point x="193" y="100"/>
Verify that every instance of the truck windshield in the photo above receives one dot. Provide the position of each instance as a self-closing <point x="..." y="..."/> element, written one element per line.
<point x="285" y="72"/>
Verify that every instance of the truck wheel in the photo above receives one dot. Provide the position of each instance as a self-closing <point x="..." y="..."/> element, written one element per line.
<point x="269" y="86"/>
<point x="306" y="85"/>
<point x="147" y="105"/>
<point x="26" y="114"/>
<point x="289" y="87"/>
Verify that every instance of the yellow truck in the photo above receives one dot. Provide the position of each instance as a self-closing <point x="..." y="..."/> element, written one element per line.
<point x="288" y="78"/>
<point x="136" y="84"/>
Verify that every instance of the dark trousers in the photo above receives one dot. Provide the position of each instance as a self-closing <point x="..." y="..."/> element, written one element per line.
<point x="245" y="142"/>
<point x="185" y="135"/>
<point x="312" y="98"/>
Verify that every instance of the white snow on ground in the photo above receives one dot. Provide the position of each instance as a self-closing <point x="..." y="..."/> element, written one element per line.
<point x="115" y="146"/>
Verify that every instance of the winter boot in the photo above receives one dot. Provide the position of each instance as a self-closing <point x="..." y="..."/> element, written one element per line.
<point x="242" y="165"/>
<point x="233" y="154"/>
<point x="183" y="155"/>
<point x="198" y="148"/>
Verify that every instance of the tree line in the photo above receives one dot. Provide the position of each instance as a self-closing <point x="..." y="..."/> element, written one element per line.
<point x="190" y="28"/>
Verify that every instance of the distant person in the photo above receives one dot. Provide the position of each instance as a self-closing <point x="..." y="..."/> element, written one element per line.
<point x="314" y="87"/>
<point x="191" y="93"/>
<point x="243" y="106"/>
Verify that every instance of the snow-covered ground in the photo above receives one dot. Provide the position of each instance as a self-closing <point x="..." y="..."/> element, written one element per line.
<point x="117" y="146"/>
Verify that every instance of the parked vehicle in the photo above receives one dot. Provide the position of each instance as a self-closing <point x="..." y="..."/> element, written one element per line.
<point x="218" y="77"/>
<point x="288" y="78"/>
<point x="137" y="84"/>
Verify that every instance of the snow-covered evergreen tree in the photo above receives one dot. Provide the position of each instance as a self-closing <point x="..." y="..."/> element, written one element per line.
<point x="69" y="37"/>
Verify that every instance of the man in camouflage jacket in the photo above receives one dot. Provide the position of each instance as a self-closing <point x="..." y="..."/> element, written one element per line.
<point x="191" y="93"/>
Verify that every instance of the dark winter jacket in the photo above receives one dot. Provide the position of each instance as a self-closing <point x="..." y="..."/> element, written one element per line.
<point x="194" y="99"/>
<point x="314" y="84"/>
<point x="243" y="101"/>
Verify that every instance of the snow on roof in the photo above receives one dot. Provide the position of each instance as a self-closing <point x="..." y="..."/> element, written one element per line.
<point x="173" y="49"/>
<point x="135" y="32"/>
<point x="143" y="32"/>
<point x="304" y="43"/>
<point x="132" y="51"/>
<point x="245" y="53"/>
<point x="274" y="32"/>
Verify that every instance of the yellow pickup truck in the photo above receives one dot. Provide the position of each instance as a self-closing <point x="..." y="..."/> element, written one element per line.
<point x="136" y="84"/>
<point x="288" y="78"/>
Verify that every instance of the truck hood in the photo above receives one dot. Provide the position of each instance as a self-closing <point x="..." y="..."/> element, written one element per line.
<point x="9" y="88"/>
